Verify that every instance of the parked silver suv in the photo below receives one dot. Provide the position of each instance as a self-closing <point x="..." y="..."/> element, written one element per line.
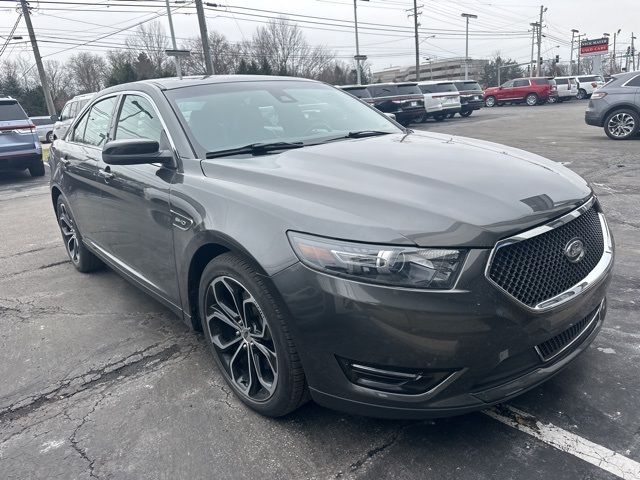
<point x="616" y="107"/>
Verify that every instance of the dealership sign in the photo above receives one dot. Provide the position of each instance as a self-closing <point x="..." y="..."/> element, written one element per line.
<point x="599" y="46"/>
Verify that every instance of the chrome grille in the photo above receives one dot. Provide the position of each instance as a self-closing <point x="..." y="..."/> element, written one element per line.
<point x="536" y="269"/>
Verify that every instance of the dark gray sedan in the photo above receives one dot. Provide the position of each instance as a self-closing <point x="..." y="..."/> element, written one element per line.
<point x="616" y="107"/>
<point x="327" y="252"/>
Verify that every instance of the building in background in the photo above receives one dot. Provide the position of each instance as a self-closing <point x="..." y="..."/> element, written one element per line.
<point x="452" y="68"/>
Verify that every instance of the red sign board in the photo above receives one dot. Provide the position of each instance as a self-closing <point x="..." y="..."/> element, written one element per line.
<point x="598" y="46"/>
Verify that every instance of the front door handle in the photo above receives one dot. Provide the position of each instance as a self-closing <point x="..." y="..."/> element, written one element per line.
<point x="106" y="174"/>
<point x="64" y="161"/>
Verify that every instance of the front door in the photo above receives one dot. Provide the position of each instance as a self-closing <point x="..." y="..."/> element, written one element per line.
<point x="506" y="91"/>
<point x="137" y="232"/>
<point x="80" y="154"/>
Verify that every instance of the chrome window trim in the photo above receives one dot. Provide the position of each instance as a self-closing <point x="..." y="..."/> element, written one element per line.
<point x="594" y="319"/>
<point x="594" y="276"/>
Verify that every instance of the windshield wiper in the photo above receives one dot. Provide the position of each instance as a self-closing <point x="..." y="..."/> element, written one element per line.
<point x="365" y="133"/>
<point x="255" y="149"/>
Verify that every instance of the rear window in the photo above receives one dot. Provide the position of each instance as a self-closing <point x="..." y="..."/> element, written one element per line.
<point x="438" y="88"/>
<point x="383" y="90"/>
<point x="591" y="78"/>
<point x="11" y="110"/>
<point x="467" y="86"/>
<point x="41" y="121"/>
<point x="541" y="81"/>
<point x="409" y="90"/>
<point x="358" y="92"/>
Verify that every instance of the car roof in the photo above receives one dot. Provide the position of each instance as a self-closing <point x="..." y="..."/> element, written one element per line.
<point x="625" y="75"/>
<point x="172" y="83"/>
<point x="436" y="82"/>
<point x="399" y="84"/>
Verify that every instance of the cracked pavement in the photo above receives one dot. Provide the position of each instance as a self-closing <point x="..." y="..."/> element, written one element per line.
<point x="100" y="381"/>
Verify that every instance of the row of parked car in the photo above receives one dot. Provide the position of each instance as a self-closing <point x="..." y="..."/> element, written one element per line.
<point x="413" y="102"/>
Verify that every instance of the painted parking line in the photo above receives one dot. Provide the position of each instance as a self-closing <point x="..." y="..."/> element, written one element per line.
<point x="568" y="442"/>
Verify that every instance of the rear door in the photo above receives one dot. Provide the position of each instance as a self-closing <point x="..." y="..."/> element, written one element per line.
<point x="137" y="232"/>
<point x="520" y="89"/>
<point x="79" y="156"/>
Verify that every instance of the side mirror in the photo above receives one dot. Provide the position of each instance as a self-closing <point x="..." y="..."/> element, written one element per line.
<point x="392" y="116"/>
<point x="137" y="151"/>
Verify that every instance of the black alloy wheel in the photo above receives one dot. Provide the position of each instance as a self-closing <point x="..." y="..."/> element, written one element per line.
<point x="80" y="257"/>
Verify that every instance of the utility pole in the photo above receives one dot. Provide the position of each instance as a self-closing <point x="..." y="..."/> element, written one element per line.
<point x="204" y="36"/>
<point x="415" y="33"/>
<point x="173" y="41"/>
<point x="579" y="56"/>
<point x="573" y="33"/>
<point x="51" y="108"/>
<point x="466" y="50"/>
<point x="539" y="69"/>
<point x="534" y="26"/>
<point x="633" y="52"/>
<point x="358" y="69"/>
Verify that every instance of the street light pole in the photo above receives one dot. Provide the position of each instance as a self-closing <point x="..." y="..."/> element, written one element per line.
<point x="614" y="67"/>
<point x="355" y="17"/>
<point x="173" y="41"/>
<point x="534" y="26"/>
<point x="466" y="50"/>
<point x="573" y="33"/>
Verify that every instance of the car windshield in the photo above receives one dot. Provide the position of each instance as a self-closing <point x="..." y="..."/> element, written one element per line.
<point x="231" y="115"/>
<point x="465" y="86"/>
<point x="10" y="110"/>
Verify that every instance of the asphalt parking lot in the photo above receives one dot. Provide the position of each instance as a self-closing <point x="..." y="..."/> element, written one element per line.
<point x="100" y="381"/>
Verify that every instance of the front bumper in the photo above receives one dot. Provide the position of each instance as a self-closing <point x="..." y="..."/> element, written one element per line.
<point x="480" y="339"/>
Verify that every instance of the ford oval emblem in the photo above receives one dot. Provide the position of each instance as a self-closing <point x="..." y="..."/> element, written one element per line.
<point x="574" y="250"/>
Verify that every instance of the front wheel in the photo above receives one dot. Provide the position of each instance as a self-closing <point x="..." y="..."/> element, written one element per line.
<point x="466" y="113"/>
<point x="531" y="99"/>
<point x="247" y="331"/>
<point x="582" y="94"/>
<point x="490" y="101"/>
<point x="82" y="259"/>
<point x="622" y="124"/>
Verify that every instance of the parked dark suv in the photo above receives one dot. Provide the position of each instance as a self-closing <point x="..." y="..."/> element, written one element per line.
<point x="616" y="107"/>
<point x="20" y="147"/>
<point x="327" y="252"/>
<point x="404" y="100"/>
<point x="471" y="96"/>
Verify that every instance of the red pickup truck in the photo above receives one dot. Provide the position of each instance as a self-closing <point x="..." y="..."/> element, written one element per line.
<point x="532" y="91"/>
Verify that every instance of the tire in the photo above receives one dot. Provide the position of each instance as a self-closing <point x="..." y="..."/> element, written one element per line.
<point x="466" y="113"/>
<point x="554" y="100"/>
<point x="37" y="170"/>
<point x="439" y="117"/>
<point x="582" y="94"/>
<point x="490" y="101"/>
<point x="49" y="137"/>
<point x="80" y="257"/>
<point x="239" y="341"/>
<point x="622" y="124"/>
<point x="531" y="99"/>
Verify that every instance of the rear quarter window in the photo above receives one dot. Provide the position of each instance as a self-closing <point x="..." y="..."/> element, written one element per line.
<point x="634" y="82"/>
<point x="11" y="110"/>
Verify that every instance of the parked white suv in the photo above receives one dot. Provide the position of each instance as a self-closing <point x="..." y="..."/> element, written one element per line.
<point x="70" y="111"/>
<point x="587" y="84"/>
<point x="442" y="91"/>
<point x="567" y="88"/>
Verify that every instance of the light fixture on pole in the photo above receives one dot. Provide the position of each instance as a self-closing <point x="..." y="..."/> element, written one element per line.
<point x="466" y="50"/>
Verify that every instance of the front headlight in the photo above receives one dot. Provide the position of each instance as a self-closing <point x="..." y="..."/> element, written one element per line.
<point x="411" y="267"/>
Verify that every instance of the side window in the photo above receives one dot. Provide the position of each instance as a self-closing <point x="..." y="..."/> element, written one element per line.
<point x="73" y="110"/>
<point x="78" y="131"/>
<point x="634" y="82"/>
<point x="508" y="84"/>
<point x="65" y="112"/>
<point x="521" y="83"/>
<point x="96" y="122"/>
<point x="138" y="119"/>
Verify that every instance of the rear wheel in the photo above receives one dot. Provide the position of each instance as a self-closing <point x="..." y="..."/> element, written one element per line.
<point x="247" y="331"/>
<point x="582" y="94"/>
<point x="37" y="170"/>
<point x="490" y="101"/>
<point x="554" y="100"/>
<point x="622" y="124"/>
<point x="82" y="259"/>
<point x="466" y="113"/>
<point x="439" y="117"/>
<point x="451" y="115"/>
<point x="531" y="99"/>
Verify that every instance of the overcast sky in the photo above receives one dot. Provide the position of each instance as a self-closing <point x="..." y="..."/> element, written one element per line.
<point x="385" y="35"/>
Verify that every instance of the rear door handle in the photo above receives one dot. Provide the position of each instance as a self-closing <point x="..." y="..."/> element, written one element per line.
<point x="105" y="174"/>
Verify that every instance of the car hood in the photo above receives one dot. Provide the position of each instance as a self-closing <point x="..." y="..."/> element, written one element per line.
<point x="422" y="188"/>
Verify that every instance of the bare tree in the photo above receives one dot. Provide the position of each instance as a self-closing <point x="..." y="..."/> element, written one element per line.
<point x="87" y="70"/>
<point x="59" y="82"/>
<point x="224" y="55"/>
<point x="151" y="40"/>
